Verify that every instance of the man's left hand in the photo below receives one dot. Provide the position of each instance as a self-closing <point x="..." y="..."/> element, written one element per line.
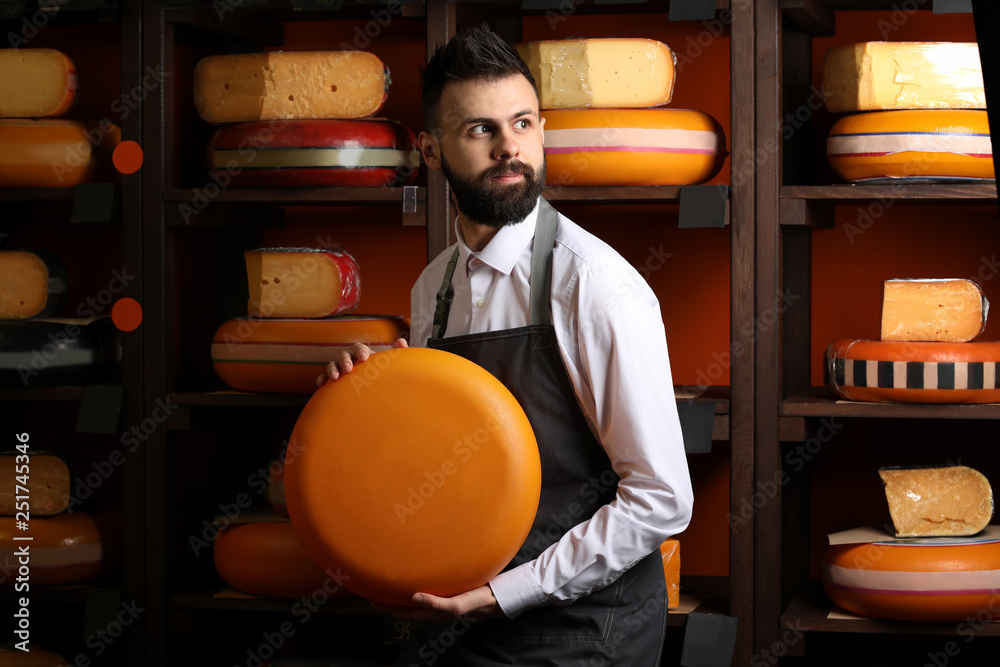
<point x="477" y="603"/>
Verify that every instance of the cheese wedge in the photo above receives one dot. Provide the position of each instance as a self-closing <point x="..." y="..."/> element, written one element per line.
<point x="903" y="75"/>
<point x="951" y="311"/>
<point x="953" y="501"/>
<point x="670" y="551"/>
<point x="302" y="282"/>
<point x="289" y="85"/>
<point x="607" y="72"/>
<point x="36" y="83"/>
<point x="48" y="484"/>
<point x="32" y="284"/>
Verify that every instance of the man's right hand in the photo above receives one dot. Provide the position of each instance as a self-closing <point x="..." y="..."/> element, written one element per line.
<point x="358" y="353"/>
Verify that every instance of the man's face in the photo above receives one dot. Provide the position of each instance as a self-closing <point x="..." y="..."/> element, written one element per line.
<point x="490" y="148"/>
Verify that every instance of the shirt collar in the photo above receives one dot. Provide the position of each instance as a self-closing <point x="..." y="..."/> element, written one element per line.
<point x="504" y="249"/>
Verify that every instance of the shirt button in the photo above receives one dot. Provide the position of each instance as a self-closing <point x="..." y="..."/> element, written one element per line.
<point x="481" y="302"/>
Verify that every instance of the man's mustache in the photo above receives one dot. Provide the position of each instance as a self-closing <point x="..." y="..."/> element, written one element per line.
<point x="507" y="169"/>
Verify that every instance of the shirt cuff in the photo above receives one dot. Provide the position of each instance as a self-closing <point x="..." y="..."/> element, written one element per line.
<point x="517" y="591"/>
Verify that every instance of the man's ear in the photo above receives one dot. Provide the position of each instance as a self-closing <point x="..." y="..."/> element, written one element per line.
<point x="430" y="149"/>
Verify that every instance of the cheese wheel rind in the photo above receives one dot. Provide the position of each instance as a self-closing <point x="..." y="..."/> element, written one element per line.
<point x="631" y="147"/>
<point x="36" y="83"/>
<point x="868" y="76"/>
<point x="55" y="153"/>
<point x="32" y="284"/>
<point x="915" y="145"/>
<point x="952" y="501"/>
<point x="65" y="548"/>
<point x="913" y="372"/>
<point x="947" y="311"/>
<point x="302" y="282"/>
<point x="49" y="483"/>
<point x="418" y="471"/>
<point x="289" y="85"/>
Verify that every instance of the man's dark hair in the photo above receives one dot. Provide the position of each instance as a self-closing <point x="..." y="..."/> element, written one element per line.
<point x="473" y="53"/>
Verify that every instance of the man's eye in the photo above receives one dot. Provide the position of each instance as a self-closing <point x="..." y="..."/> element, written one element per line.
<point x="523" y="124"/>
<point x="479" y="129"/>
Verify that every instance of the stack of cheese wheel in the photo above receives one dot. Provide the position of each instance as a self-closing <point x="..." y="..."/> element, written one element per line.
<point x="596" y="96"/>
<point x="67" y="545"/>
<point x="926" y="353"/>
<point x="941" y="566"/>
<point x="923" y="112"/>
<point x="39" y="148"/>
<point x="302" y="119"/>
<point x="300" y="318"/>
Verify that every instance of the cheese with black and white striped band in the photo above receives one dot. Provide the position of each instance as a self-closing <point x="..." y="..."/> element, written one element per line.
<point x="913" y="372"/>
<point x="913" y="144"/>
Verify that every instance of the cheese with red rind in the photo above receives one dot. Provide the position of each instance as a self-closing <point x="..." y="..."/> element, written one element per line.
<point x="36" y="83"/>
<point x="949" y="311"/>
<point x="302" y="282"/>
<point x="290" y="85"/>
<point x="670" y="551"/>
<point x="32" y="284"/>
<point x="55" y="153"/>
<point x="952" y="501"/>
<point x="46" y="478"/>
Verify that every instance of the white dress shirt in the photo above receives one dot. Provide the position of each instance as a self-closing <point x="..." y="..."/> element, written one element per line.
<point x="611" y="337"/>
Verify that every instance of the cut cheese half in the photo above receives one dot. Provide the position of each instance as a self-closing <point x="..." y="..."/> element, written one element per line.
<point x="289" y="85"/>
<point x="953" y="501"/>
<point x="913" y="372"/>
<point x="603" y="72"/>
<point x="915" y="145"/>
<point x="670" y="551"/>
<point x="869" y="76"/>
<point x="55" y="153"/>
<point x="631" y="147"/>
<point x="48" y="486"/>
<point x="417" y="471"/>
<point x="358" y="153"/>
<point x="287" y="355"/>
<point x="32" y="284"/>
<point x="36" y="83"/>
<point x="936" y="579"/>
<point x="66" y="548"/>
<point x="951" y="311"/>
<point x="302" y="282"/>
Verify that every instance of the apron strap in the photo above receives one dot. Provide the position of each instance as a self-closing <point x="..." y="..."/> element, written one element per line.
<point x="541" y="274"/>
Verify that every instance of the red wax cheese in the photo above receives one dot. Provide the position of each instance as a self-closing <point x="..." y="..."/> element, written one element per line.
<point x="55" y="153"/>
<point x="302" y="282"/>
<point x="360" y="153"/>
<point x="933" y="579"/>
<point x="36" y="83"/>
<point x="631" y="147"/>
<point x="418" y="471"/>
<point x="32" y="284"/>
<point x="913" y="372"/>
<point x="44" y="481"/>
<point x="287" y="355"/>
<point x="66" y="548"/>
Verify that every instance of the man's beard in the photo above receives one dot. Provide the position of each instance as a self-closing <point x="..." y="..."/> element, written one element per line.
<point x="494" y="204"/>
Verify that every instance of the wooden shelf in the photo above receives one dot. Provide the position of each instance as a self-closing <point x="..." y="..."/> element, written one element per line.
<point x="819" y="402"/>
<point x="64" y="594"/>
<point x="300" y="196"/>
<point x="903" y="192"/>
<point x="42" y="394"/>
<point x="37" y="195"/>
<point x="232" y="600"/>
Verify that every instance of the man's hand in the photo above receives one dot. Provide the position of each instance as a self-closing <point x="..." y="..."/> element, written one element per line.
<point x="344" y="364"/>
<point x="477" y="603"/>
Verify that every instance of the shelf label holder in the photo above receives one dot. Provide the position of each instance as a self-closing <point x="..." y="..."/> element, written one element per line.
<point x="692" y="10"/>
<point x="703" y="206"/>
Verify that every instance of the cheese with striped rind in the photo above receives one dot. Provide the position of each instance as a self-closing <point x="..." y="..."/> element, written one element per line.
<point x="48" y="484"/>
<point x="55" y="153"/>
<point x="937" y="579"/>
<point x="913" y="372"/>
<point x="915" y="145"/>
<point x="953" y="501"/>
<point x="357" y="153"/>
<point x="869" y="76"/>
<point x="287" y="355"/>
<point x="670" y="551"/>
<point x="66" y="548"/>
<point x="631" y="147"/>
<point x="951" y="311"/>
<point x="602" y="72"/>
<point x="32" y="284"/>
<point x="302" y="282"/>
<point x="36" y="83"/>
<point x="289" y="85"/>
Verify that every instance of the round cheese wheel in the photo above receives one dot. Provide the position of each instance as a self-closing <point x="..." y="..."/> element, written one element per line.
<point x="36" y="83"/>
<point x="933" y="579"/>
<point x="64" y="549"/>
<point x="912" y="144"/>
<point x="416" y="472"/>
<point x="316" y="153"/>
<point x="55" y="153"/>
<point x="631" y="147"/>
<point x="33" y="657"/>
<point x="287" y="355"/>
<point x="266" y="558"/>
<point x="63" y="352"/>
<point x="913" y="372"/>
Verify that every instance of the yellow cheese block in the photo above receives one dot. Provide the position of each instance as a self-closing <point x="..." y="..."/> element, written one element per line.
<point x="869" y="76"/>
<point x="302" y="282"/>
<point x="55" y="152"/>
<point x="670" y="550"/>
<point x="44" y="482"/>
<point x="952" y="501"/>
<point x="36" y="83"/>
<point x="606" y="72"/>
<point x="952" y="311"/>
<point x="289" y="85"/>
<point x="32" y="284"/>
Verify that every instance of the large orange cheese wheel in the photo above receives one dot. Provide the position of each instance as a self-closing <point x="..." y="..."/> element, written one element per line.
<point x="267" y="558"/>
<point x="631" y="147"/>
<point x="416" y="472"/>
<point x="287" y="355"/>
<point x="55" y="153"/>
<point x="913" y="372"/>
<point x="932" y="579"/>
<point x="64" y="549"/>
<point x="912" y="144"/>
